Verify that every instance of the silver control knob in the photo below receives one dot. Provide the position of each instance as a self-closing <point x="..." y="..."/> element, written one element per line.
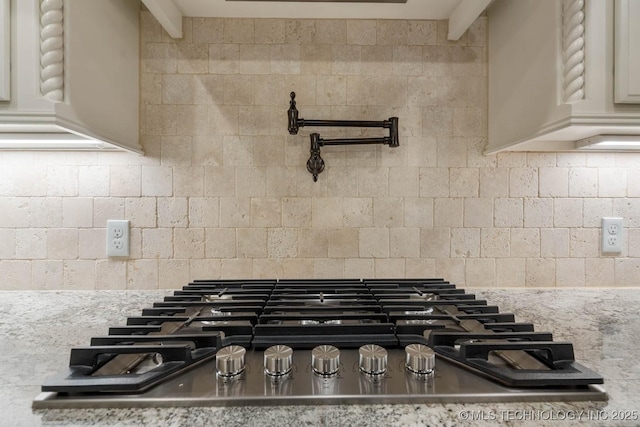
<point x="372" y="359"/>
<point x="420" y="359"/>
<point x="325" y="360"/>
<point x="278" y="360"/>
<point x="230" y="360"/>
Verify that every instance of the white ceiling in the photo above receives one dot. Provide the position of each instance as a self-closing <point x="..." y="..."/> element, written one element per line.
<point x="460" y="13"/>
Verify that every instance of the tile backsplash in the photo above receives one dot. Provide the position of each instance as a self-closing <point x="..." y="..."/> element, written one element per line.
<point x="223" y="191"/>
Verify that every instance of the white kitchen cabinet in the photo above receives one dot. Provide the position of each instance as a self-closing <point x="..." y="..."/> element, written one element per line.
<point x="5" y="46"/>
<point x="74" y="75"/>
<point x="551" y="79"/>
<point x="627" y="51"/>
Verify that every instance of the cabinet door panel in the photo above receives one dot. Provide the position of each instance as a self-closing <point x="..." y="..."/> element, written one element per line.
<point x="5" y="50"/>
<point x="627" y="51"/>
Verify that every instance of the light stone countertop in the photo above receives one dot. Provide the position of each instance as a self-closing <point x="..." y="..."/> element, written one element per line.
<point x="38" y="328"/>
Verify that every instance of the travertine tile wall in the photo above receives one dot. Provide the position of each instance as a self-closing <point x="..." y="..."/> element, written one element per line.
<point x="223" y="190"/>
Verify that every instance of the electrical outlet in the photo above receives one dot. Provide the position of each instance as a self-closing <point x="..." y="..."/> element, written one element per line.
<point x="612" y="235"/>
<point x="117" y="238"/>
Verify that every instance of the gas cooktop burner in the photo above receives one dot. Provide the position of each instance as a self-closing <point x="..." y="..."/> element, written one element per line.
<point x="222" y="342"/>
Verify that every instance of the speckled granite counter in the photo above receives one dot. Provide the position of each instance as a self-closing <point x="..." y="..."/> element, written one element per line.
<point x="37" y="329"/>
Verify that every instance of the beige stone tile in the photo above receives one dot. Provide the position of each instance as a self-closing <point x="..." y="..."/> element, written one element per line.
<point x="62" y="180"/>
<point x="452" y="152"/>
<point x="478" y="212"/>
<point x="77" y="212"/>
<point x="208" y="89"/>
<point x="305" y="186"/>
<point x="16" y="274"/>
<point x="204" y="212"/>
<point x="331" y="90"/>
<point x="295" y="268"/>
<point x="424" y="93"/>
<point x="251" y="242"/>
<point x="269" y="30"/>
<point x="220" y="181"/>
<point x="421" y="151"/>
<point x="111" y="274"/>
<point x="239" y="30"/>
<point x="626" y="271"/>
<point x="633" y="183"/>
<point x="448" y="212"/>
<point x="256" y="120"/>
<point x="525" y="242"/>
<point x="267" y="268"/>
<point x="21" y="179"/>
<point x="8" y="247"/>
<point x="469" y="122"/>
<point x="510" y="272"/>
<point x="480" y="272"/>
<point x="125" y="181"/>
<point x="172" y="212"/>
<point x="326" y="212"/>
<point x="570" y="272"/>
<point x="205" y="268"/>
<point x="357" y="212"/>
<point x="361" y="31"/>
<point x="79" y="275"/>
<point x="313" y="243"/>
<point x="612" y="182"/>
<point x="150" y="88"/>
<point x="150" y="28"/>
<point x="236" y="268"/>
<point x="628" y="210"/>
<point x="282" y="243"/>
<point x="388" y="212"/>
<point x="374" y="242"/>
<point x="434" y="182"/>
<point x="342" y="181"/>
<point x="585" y="243"/>
<point x="238" y="150"/>
<point x="460" y="91"/>
<point x="285" y="58"/>
<point x="159" y="58"/>
<point x="330" y="31"/>
<point x="239" y="90"/>
<point x="192" y="120"/>
<point x="599" y="272"/>
<point x="158" y="120"/>
<point x="157" y="243"/>
<point x="465" y="242"/>
<point x="477" y="32"/>
<point x="220" y="242"/>
<point x="541" y="159"/>
<point x="268" y="151"/>
<point x="422" y="33"/>
<point x="602" y="159"/>
<point x="538" y="212"/>
<point x="302" y="31"/>
<point x="509" y="212"/>
<point x="495" y="242"/>
<point x="554" y="242"/>
<point x="389" y="267"/>
<point x="188" y="243"/>
<point x="207" y="30"/>
<point x="373" y="181"/>
<point x="420" y="267"/>
<point x="142" y="274"/>
<point x="30" y="243"/>
<point x="463" y="182"/>
<point x="157" y="181"/>
<point x="173" y="273"/>
<point x="553" y="182"/>
<point x="523" y="182"/>
<point x="175" y="150"/>
<point x="494" y="182"/>
<point x="235" y="212"/>
<point x="62" y="243"/>
<point x="451" y="268"/>
<point x="251" y="181"/>
<point x="270" y="89"/>
<point x="104" y="209"/>
<point x="392" y="32"/>
<point x="359" y="268"/>
<point x="443" y="31"/>
<point x="315" y="59"/>
<point x="92" y="243"/>
<point x="254" y="59"/>
<point x="135" y="243"/>
<point x="571" y="159"/>
<point x="296" y="212"/>
<point x="188" y="181"/>
<point x="377" y="90"/>
<point x="93" y="181"/>
<point x="404" y="242"/>
<point x="266" y="212"/>
<point x="343" y="242"/>
<point x="177" y="89"/>
<point x="418" y="212"/>
<point x="435" y="242"/>
<point x="403" y="182"/>
<point x="224" y="58"/>
<point x="281" y="182"/>
<point x="328" y="268"/>
<point x="346" y="59"/>
<point x="376" y="60"/>
<point x="567" y="212"/>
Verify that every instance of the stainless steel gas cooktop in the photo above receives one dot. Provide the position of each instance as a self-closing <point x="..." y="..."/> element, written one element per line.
<point x="274" y="342"/>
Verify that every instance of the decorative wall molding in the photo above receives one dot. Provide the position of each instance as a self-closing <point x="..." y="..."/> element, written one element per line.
<point x="51" y="50"/>
<point x="573" y="50"/>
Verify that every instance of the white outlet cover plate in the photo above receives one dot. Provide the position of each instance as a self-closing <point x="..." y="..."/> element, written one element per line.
<point x="612" y="235"/>
<point x="117" y="238"/>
